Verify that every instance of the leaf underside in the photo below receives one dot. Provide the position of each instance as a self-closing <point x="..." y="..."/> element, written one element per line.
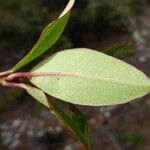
<point x="86" y="77"/>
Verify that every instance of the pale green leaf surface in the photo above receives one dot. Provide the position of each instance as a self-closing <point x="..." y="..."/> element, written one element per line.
<point x="38" y="95"/>
<point x="75" y="120"/>
<point x="87" y="77"/>
<point x="48" y="37"/>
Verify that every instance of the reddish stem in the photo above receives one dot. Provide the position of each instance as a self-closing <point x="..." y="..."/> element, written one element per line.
<point x="15" y="85"/>
<point x="5" y="73"/>
<point x="14" y="76"/>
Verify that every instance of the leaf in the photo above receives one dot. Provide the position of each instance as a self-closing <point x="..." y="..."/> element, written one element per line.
<point x="48" y="37"/>
<point x="122" y="51"/>
<point x="38" y="95"/>
<point x="75" y="120"/>
<point x="1" y="82"/>
<point x="86" y="77"/>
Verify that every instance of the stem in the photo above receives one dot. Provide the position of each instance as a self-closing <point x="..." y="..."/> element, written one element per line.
<point x="14" y="76"/>
<point x="5" y="73"/>
<point x="14" y="85"/>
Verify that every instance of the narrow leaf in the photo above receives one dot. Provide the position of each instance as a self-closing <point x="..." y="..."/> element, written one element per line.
<point x="86" y="77"/>
<point x="48" y="37"/>
<point x="75" y="121"/>
<point x="1" y="82"/>
<point x="38" y="95"/>
<point x="122" y="51"/>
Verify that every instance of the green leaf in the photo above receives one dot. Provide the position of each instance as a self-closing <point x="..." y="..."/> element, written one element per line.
<point x="48" y="37"/>
<point x="1" y="82"/>
<point x="122" y="51"/>
<point x="86" y="77"/>
<point x="75" y="120"/>
<point x="38" y="95"/>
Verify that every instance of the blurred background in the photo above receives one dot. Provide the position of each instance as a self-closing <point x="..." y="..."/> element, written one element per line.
<point x="103" y="25"/>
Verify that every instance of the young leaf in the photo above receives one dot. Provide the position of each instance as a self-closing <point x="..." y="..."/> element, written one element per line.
<point x="38" y="95"/>
<point x="86" y="77"/>
<point x="48" y="37"/>
<point x="1" y="82"/>
<point x="75" y="121"/>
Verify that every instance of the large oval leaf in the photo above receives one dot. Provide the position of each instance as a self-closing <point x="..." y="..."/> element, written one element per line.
<point x="48" y="37"/>
<point x="86" y="77"/>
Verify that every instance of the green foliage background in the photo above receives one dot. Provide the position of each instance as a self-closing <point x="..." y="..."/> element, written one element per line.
<point x="22" y="21"/>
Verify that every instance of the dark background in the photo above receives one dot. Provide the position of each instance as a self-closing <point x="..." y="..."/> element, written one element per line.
<point x="96" y="24"/>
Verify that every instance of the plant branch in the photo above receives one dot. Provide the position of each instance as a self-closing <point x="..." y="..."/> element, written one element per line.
<point x="14" y="76"/>
<point x="5" y="73"/>
<point x="14" y="85"/>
